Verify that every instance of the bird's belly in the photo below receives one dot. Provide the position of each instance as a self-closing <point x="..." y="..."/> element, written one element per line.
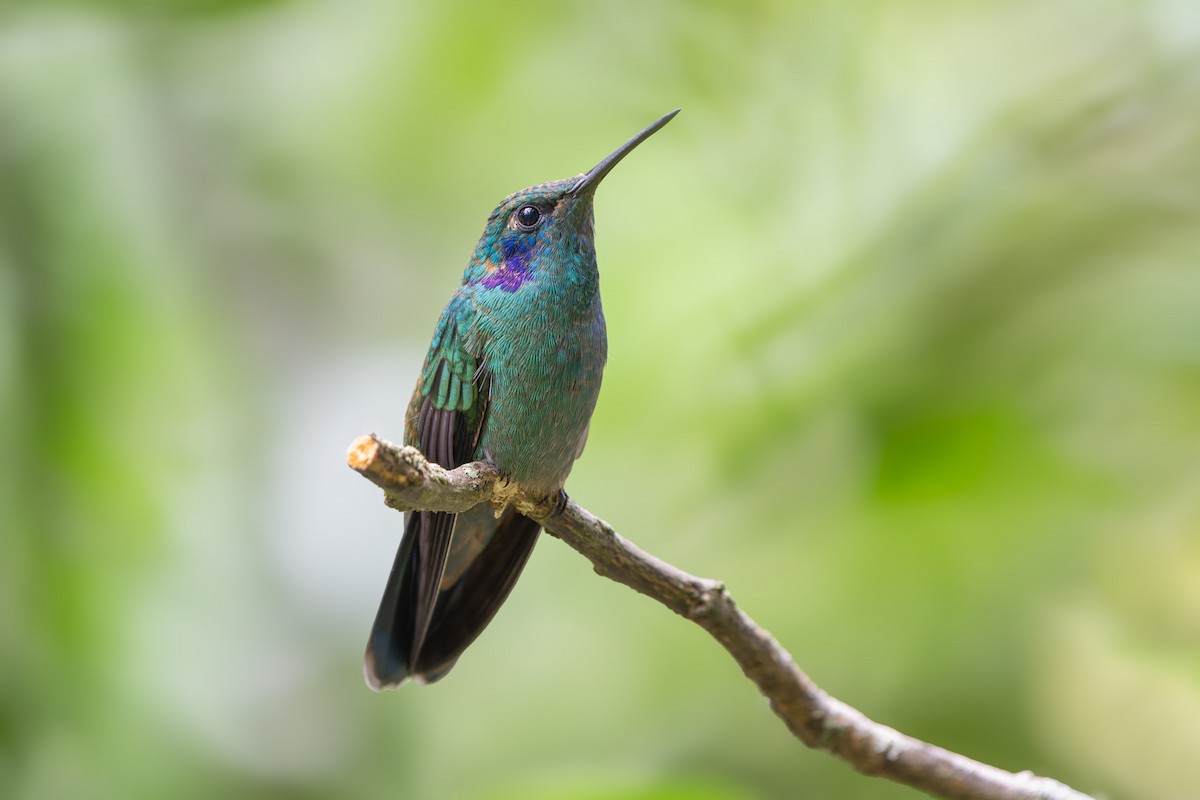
<point x="540" y="405"/>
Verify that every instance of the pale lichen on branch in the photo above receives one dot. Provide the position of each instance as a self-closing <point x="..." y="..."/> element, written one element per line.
<point x="821" y="722"/>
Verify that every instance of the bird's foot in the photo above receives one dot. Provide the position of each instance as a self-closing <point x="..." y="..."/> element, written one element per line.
<point x="544" y="507"/>
<point x="560" y="503"/>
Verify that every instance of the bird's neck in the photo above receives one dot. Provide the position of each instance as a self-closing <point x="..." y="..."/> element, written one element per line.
<point x="568" y="276"/>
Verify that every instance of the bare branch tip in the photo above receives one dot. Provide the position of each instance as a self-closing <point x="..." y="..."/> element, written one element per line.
<point x="362" y="452"/>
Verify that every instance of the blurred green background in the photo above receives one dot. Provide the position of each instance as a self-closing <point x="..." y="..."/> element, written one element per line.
<point x="904" y="316"/>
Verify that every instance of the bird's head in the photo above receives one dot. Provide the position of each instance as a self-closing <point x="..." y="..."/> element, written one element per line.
<point x="546" y="227"/>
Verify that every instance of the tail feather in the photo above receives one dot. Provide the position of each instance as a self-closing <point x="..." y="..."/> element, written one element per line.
<point x="466" y="607"/>
<point x="426" y="620"/>
<point x="409" y="599"/>
<point x="386" y="661"/>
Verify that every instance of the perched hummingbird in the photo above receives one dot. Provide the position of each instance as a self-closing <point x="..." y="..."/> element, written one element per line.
<point x="511" y="377"/>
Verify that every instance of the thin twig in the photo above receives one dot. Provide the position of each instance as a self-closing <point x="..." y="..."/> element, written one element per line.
<point x="816" y="719"/>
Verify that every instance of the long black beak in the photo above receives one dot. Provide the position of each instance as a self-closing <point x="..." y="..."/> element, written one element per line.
<point x="592" y="179"/>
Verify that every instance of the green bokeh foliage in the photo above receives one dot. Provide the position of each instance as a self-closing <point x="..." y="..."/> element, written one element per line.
<point x="904" y="313"/>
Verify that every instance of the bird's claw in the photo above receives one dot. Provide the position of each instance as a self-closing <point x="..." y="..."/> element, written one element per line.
<point x="560" y="503"/>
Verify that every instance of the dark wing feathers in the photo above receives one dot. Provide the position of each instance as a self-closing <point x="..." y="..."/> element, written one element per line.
<point x="433" y="529"/>
<point x="422" y="627"/>
<point x="445" y="422"/>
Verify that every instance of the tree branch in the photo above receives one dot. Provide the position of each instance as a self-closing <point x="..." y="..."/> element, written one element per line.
<point x="816" y="719"/>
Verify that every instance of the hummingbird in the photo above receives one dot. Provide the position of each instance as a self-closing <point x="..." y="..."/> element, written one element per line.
<point x="511" y="378"/>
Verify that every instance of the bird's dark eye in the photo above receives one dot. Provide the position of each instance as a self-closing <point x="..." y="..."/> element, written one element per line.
<point x="528" y="217"/>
